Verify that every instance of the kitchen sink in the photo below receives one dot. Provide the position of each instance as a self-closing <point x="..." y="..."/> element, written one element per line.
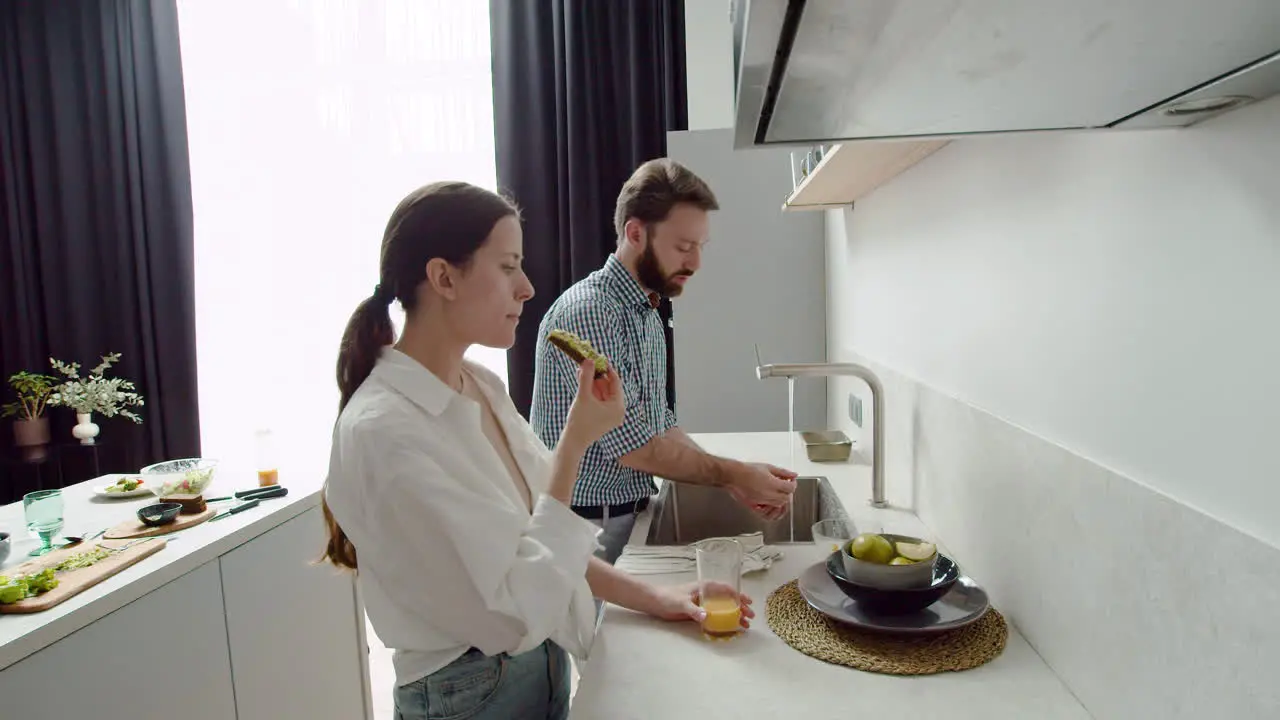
<point x="684" y="513"/>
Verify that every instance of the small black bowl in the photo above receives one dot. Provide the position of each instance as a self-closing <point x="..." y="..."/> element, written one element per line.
<point x="159" y="513"/>
<point x="5" y="546"/>
<point x="896" y="602"/>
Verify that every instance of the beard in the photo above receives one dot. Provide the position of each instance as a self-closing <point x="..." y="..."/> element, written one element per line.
<point x="653" y="277"/>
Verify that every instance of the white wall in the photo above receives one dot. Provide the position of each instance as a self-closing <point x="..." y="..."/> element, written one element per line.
<point x="1116" y="294"/>
<point x="709" y="63"/>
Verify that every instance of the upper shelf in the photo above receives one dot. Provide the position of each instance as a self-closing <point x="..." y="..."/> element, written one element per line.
<point x="853" y="170"/>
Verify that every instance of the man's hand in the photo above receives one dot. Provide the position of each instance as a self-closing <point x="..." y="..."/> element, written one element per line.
<point x="766" y="489"/>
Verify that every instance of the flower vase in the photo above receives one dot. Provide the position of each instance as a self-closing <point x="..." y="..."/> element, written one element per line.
<point x="85" y="430"/>
<point x="32" y="437"/>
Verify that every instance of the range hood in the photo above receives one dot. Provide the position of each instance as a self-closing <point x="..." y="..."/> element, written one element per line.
<point x="819" y="71"/>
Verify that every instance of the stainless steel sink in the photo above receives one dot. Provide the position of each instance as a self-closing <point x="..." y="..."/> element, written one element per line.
<point x="685" y="513"/>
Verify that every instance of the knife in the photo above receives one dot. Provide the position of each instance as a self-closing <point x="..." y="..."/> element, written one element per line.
<point x="239" y="508"/>
<point x="262" y="493"/>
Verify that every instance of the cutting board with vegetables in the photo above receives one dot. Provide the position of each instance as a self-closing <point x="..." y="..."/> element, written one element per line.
<point x="134" y="528"/>
<point x="70" y="571"/>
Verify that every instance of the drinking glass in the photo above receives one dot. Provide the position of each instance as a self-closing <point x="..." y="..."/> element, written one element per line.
<point x="829" y="535"/>
<point x="43" y="510"/>
<point x="719" y="562"/>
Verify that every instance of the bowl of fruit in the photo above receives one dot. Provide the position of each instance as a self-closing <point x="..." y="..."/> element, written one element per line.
<point x="882" y="601"/>
<point x="889" y="561"/>
<point x="188" y="476"/>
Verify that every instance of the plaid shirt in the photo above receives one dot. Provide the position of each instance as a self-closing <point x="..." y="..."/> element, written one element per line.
<point x="611" y="310"/>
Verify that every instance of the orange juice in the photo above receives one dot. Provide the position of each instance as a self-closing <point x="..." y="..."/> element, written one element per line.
<point x="723" y="614"/>
<point x="268" y="477"/>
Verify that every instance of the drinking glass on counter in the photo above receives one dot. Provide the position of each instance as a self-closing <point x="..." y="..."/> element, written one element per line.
<point x="831" y="534"/>
<point x="719" y="562"/>
<point x="43" y="510"/>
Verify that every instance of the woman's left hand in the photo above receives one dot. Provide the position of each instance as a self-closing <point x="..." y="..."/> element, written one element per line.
<point x="680" y="602"/>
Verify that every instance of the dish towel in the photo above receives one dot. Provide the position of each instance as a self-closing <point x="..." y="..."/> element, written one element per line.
<point x="662" y="559"/>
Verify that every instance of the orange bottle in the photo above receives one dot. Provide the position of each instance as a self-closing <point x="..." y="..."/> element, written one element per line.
<point x="267" y="471"/>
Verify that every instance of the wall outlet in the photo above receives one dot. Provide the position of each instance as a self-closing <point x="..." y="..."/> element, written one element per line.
<point x="855" y="409"/>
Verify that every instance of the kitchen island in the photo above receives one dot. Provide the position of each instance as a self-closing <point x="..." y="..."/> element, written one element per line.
<point x="641" y="668"/>
<point x="231" y="620"/>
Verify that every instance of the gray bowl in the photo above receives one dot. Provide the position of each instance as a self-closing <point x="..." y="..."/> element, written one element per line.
<point x="159" y="513"/>
<point x="888" y="577"/>
<point x="5" y="546"/>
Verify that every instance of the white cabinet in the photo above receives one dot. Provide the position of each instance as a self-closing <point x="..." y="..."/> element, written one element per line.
<point x="297" y="643"/>
<point x="161" y="656"/>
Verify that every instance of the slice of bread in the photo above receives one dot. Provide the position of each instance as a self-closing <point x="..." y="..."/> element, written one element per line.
<point x="578" y="349"/>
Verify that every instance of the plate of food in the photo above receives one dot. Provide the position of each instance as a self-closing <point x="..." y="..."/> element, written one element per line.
<point x="127" y="486"/>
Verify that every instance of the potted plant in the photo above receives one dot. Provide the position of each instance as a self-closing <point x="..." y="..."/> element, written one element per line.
<point x="31" y="428"/>
<point x="96" y="393"/>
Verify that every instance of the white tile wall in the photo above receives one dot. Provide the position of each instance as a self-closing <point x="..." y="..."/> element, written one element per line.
<point x="1145" y="607"/>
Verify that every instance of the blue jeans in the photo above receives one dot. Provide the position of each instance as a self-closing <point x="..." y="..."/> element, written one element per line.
<point x="529" y="686"/>
<point x="617" y="531"/>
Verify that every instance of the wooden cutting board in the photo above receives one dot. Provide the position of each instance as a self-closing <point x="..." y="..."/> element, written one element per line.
<point x="133" y="527"/>
<point x="74" y="582"/>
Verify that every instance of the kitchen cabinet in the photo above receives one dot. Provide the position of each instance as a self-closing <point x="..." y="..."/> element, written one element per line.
<point x="163" y="655"/>
<point x="297" y="646"/>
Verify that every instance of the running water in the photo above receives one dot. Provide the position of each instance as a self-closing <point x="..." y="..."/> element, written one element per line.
<point x="791" y="442"/>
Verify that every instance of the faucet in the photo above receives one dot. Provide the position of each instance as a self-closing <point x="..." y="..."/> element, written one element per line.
<point x="795" y="370"/>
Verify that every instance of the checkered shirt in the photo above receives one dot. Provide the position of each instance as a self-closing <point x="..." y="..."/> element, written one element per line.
<point x="611" y="310"/>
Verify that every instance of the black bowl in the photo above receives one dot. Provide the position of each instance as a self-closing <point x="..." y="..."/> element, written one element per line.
<point x="5" y="545"/>
<point x="159" y="513"/>
<point x="896" y="602"/>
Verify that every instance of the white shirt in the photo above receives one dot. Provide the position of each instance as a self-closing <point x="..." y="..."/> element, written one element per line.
<point x="450" y="556"/>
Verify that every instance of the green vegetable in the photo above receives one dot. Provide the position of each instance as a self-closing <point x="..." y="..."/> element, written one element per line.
<point x="13" y="590"/>
<point x="41" y="582"/>
<point x="82" y="559"/>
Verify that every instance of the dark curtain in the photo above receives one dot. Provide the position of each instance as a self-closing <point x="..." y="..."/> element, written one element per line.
<point x="95" y="213"/>
<point x="583" y="93"/>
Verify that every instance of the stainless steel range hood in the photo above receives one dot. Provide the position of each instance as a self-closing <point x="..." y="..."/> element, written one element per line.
<point x="819" y="71"/>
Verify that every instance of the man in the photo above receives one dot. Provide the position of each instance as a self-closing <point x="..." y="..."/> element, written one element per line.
<point x="661" y="222"/>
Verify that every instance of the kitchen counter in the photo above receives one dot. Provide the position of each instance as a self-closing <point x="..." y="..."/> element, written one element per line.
<point x="642" y="668"/>
<point x="231" y="615"/>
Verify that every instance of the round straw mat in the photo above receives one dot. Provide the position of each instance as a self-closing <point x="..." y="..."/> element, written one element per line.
<point x="819" y="636"/>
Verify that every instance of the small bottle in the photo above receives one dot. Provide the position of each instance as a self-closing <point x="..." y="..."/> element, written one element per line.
<point x="266" y="453"/>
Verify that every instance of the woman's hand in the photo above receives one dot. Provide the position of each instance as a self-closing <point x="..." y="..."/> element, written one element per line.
<point x="680" y="602"/>
<point x="598" y="408"/>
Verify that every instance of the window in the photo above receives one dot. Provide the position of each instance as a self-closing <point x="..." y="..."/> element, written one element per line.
<point x="308" y="120"/>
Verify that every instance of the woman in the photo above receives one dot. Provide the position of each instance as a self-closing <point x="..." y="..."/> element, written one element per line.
<point x="472" y="566"/>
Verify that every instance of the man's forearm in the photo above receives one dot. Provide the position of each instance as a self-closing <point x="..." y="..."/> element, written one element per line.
<point x="675" y="456"/>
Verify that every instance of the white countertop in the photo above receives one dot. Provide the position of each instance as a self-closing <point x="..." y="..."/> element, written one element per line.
<point x="85" y="512"/>
<point x="644" y="668"/>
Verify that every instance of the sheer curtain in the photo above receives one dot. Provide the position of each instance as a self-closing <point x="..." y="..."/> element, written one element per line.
<point x="308" y="120"/>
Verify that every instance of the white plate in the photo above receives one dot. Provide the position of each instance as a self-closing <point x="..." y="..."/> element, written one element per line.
<point x="101" y="490"/>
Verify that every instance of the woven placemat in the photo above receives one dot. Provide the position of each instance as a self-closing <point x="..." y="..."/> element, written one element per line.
<point x="816" y="635"/>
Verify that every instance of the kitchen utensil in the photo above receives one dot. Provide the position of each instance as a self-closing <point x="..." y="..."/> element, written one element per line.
<point x="833" y="533"/>
<point x="238" y="508"/>
<point x="889" y="577"/>
<point x="134" y="528"/>
<point x="77" y="539"/>
<point x="159" y="514"/>
<point x="827" y="446"/>
<point x="896" y="602"/>
<point x="74" y="582"/>
<point x="186" y="476"/>
<point x="261" y="493"/>
<point x="43" y="511"/>
<point x="719" y="566"/>
<point x="965" y="603"/>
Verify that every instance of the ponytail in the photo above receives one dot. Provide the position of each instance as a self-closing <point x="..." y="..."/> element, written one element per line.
<point x="368" y="331"/>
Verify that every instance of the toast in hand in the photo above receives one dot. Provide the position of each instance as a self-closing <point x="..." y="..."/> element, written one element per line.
<point x="578" y="349"/>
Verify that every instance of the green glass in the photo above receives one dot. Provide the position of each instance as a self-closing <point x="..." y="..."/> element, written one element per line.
<point x="43" y="510"/>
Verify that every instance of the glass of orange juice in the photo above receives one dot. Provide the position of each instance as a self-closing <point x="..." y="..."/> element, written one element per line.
<point x="719" y="562"/>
